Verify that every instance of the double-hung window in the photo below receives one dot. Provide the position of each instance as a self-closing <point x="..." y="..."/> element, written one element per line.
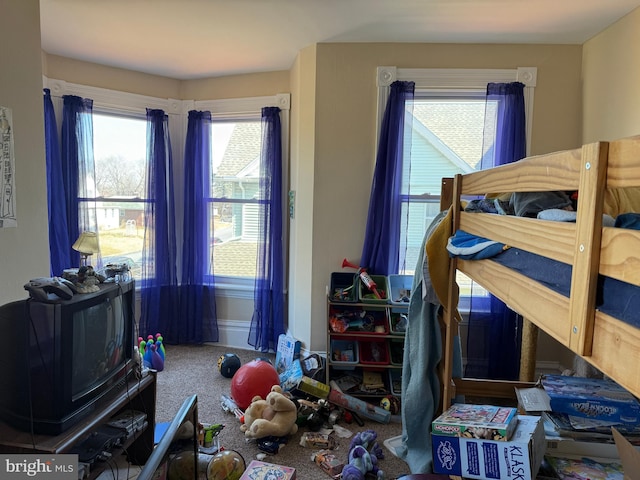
<point x="236" y="182"/>
<point x="119" y="143"/>
<point x="235" y="186"/>
<point x="451" y="123"/>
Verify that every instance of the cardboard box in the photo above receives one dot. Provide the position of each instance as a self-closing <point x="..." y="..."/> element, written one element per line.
<point x="599" y="399"/>
<point x="629" y="455"/>
<point x="314" y="387"/>
<point x="476" y="421"/>
<point x="287" y="351"/>
<point x="518" y="458"/>
<point x="258" y="470"/>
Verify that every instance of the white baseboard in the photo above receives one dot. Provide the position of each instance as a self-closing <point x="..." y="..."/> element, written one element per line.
<point x="234" y="334"/>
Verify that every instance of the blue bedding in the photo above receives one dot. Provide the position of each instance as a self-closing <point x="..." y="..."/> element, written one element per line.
<point x="619" y="299"/>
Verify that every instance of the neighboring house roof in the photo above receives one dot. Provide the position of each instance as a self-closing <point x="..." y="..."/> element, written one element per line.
<point x="242" y="150"/>
<point x="462" y="136"/>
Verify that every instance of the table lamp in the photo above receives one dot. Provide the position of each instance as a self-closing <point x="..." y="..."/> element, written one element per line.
<point x="87" y="245"/>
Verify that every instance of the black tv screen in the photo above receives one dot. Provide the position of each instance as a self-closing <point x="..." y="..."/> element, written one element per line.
<point x="62" y="357"/>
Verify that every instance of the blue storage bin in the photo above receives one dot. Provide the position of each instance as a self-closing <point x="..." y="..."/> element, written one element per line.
<point x="400" y="289"/>
<point x="344" y="352"/>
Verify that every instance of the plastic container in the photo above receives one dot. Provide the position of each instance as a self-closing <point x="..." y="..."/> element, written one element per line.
<point x="374" y="352"/>
<point x="344" y="287"/>
<point x="395" y="381"/>
<point x="400" y="289"/>
<point x="344" y="352"/>
<point x="367" y="296"/>
<point x="396" y="351"/>
<point x="398" y="321"/>
<point x="358" y="319"/>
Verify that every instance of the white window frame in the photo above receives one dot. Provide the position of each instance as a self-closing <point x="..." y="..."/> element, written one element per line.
<point x="131" y="104"/>
<point x="447" y="80"/>
<point x="457" y="78"/>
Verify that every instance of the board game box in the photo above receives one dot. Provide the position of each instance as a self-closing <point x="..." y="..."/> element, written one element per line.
<point x="517" y="459"/>
<point x="476" y="421"/>
<point x="287" y="351"/>
<point x="599" y="399"/>
<point x="258" y="470"/>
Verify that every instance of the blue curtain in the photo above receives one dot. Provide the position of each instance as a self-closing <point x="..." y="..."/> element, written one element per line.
<point x="59" y="251"/>
<point x="197" y="292"/>
<point x="159" y="285"/>
<point x="268" y="320"/>
<point x="380" y="252"/>
<point x="78" y="163"/>
<point x="495" y="331"/>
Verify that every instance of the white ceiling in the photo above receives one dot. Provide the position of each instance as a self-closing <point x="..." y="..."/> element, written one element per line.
<point x="189" y="39"/>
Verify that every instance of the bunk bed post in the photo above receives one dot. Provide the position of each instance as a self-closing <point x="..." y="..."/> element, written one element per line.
<point x="451" y="189"/>
<point x="528" y="348"/>
<point x="584" y="278"/>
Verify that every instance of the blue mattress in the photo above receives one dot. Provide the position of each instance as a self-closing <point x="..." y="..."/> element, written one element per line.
<point x="618" y="299"/>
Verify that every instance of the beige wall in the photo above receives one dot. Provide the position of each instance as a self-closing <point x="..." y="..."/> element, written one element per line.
<point x="24" y="251"/>
<point x="345" y="123"/>
<point x="611" y="82"/>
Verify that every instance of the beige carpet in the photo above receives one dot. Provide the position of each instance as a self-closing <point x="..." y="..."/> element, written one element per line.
<point x="193" y="369"/>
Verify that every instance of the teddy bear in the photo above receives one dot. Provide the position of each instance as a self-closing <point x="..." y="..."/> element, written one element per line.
<point x="274" y="416"/>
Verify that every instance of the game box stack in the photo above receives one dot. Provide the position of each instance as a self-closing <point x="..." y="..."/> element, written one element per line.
<point x="514" y="455"/>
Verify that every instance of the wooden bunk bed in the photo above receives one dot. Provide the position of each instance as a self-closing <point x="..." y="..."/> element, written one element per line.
<point x="599" y="172"/>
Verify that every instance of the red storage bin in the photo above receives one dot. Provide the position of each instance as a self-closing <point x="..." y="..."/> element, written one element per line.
<point x="374" y="352"/>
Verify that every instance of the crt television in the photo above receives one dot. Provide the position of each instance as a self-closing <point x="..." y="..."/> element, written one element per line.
<point x="60" y="357"/>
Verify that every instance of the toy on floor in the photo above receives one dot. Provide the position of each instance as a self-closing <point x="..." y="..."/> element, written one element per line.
<point x="252" y="379"/>
<point x="364" y="453"/>
<point x="226" y="465"/>
<point x="152" y="351"/>
<point x="274" y="416"/>
<point x="228" y="364"/>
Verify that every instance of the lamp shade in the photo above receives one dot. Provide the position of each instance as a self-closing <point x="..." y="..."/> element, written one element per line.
<point x="87" y="243"/>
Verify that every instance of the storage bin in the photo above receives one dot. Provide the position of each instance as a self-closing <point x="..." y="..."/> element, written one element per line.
<point x="367" y="296"/>
<point x="344" y="352"/>
<point x="395" y="381"/>
<point x="396" y="351"/>
<point x="398" y="321"/>
<point x="374" y="352"/>
<point x="400" y="289"/>
<point x="356" y="319"/>
<point x="344" y="287"/>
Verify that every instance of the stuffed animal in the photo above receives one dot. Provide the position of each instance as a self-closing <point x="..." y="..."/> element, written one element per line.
<point x="274" y="416"/>
<point x="364" y="453"/>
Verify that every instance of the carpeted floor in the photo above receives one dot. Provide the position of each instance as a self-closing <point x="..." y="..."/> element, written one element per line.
<point x="193" y="369"/>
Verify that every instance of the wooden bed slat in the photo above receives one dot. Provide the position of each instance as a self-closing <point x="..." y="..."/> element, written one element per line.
<point x="616" y="351"/>
<point x="523" y="296"/>
<point x="556" y="171"/>
<point x="526" y="233"/>
<point x="622" y="171"/>
<point x="620" y="254"/>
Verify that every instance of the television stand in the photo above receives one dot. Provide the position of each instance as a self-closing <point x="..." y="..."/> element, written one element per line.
<point x="138" y="395"/>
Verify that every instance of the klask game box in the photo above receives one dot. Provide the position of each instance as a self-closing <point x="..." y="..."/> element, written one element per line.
<point x="476" y="421"/>
<point x="517" y="459"/>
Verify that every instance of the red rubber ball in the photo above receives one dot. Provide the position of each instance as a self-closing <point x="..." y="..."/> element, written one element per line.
<point x="251" y="379"/>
